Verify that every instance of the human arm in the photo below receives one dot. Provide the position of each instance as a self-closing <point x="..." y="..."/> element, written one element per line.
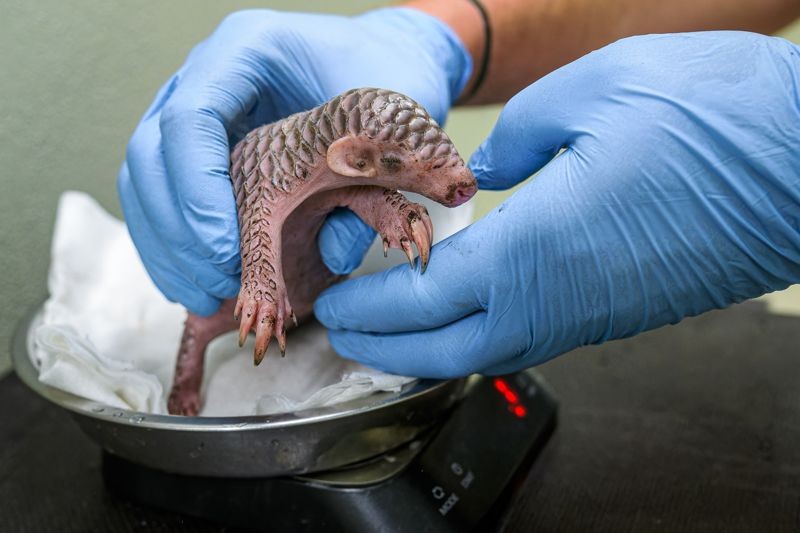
<point x="531" y="38"/>
<point x="678" y="191"/>
<point x="262" y="65"/>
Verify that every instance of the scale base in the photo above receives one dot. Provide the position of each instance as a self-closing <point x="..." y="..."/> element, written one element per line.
<point x="458" y="477"/>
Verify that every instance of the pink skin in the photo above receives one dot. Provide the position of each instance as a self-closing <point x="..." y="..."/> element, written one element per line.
<point x="280" y="282"/>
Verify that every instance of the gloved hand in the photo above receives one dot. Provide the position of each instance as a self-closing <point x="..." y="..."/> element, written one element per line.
<point x="678" y="192"/>
<point x="257" y="67"/>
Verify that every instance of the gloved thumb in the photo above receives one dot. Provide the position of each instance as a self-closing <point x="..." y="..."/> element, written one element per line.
<point x="528" y="134"/>
<point x="343" y="241"/>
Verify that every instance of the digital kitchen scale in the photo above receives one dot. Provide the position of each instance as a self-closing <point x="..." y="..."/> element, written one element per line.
<point x="458" y="476"/>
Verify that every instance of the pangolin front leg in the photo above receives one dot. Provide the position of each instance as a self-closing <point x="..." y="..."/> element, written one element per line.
<point x="263" y="302"/>
<point x="398" y="221"/>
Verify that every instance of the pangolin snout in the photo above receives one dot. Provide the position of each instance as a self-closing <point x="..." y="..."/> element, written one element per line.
<point x="461" y="186"/>
<point x="463" y="194"/>
<point x="460" y="193"/>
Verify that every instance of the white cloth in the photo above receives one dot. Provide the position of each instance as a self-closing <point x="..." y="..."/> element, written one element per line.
<point x="108" y="335"/>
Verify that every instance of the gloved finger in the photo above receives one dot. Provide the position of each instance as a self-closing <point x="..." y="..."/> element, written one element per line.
<point x="453" y="350"/>
<point x="150" y="187"/>
<point x="166" y="90"/>
<point x="515" y="364"/>
<point x="159" y="264"/>
<point x="163" y="94"/>
<point x="195" y="147"/>
<point x="518" y="145"/>
<point x="402" y="299"/>
<point x="344" y="240"/>
<point x="533" y="127"/>
<point x="194" y="126"/>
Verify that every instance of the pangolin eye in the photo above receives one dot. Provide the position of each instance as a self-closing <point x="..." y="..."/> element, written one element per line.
<point x="391" y="163"/>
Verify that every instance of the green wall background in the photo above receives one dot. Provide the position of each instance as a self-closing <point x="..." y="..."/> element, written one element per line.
<point x="74" y="79"/>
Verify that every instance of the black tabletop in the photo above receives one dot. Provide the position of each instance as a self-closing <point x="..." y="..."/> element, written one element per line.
<point x="694" y="427"/>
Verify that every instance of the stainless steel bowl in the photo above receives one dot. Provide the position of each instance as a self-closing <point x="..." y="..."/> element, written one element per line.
<point x="249" y="446"/>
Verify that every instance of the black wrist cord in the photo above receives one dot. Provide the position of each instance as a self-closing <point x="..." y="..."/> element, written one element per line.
<point x="487" y="51"/>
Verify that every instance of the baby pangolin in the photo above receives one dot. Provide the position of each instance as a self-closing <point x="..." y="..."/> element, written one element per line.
<point x="354" y="151"/>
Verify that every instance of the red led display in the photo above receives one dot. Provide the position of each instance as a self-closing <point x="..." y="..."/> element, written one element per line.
<point x="511" y="397"/>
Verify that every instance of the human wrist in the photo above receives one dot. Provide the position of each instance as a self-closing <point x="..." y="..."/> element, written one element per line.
<point x="466" y="21"/>
<point x="465" y="25"/>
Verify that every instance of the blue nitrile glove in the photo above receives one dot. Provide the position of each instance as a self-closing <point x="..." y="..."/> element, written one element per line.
<point x="257" y="67"/>
<point x="678" y="192"/>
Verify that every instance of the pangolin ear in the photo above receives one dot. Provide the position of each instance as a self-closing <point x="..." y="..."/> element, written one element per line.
<point x="352" y="157"/>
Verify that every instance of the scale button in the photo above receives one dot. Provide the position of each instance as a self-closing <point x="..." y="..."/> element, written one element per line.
<point x="438" y="492"/>
<point x="457" y="468"/>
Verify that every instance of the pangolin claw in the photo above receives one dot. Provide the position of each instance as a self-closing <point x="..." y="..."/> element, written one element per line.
<point x="282" y="342"/>
<point x="247" y="321"/>
<point x="419" y="232"/>
<point x="426" y="219"/>
<point x="242" y="335"/>
<point x="263" y="337"/>
<point x="406" y="245"/>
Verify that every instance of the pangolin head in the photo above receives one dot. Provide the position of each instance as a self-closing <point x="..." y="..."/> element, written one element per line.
<point x="414" y="152"/>
<point x="392" y="136"/>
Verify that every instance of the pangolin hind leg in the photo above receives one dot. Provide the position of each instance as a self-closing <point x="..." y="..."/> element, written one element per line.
<point x="198" y="332"/>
